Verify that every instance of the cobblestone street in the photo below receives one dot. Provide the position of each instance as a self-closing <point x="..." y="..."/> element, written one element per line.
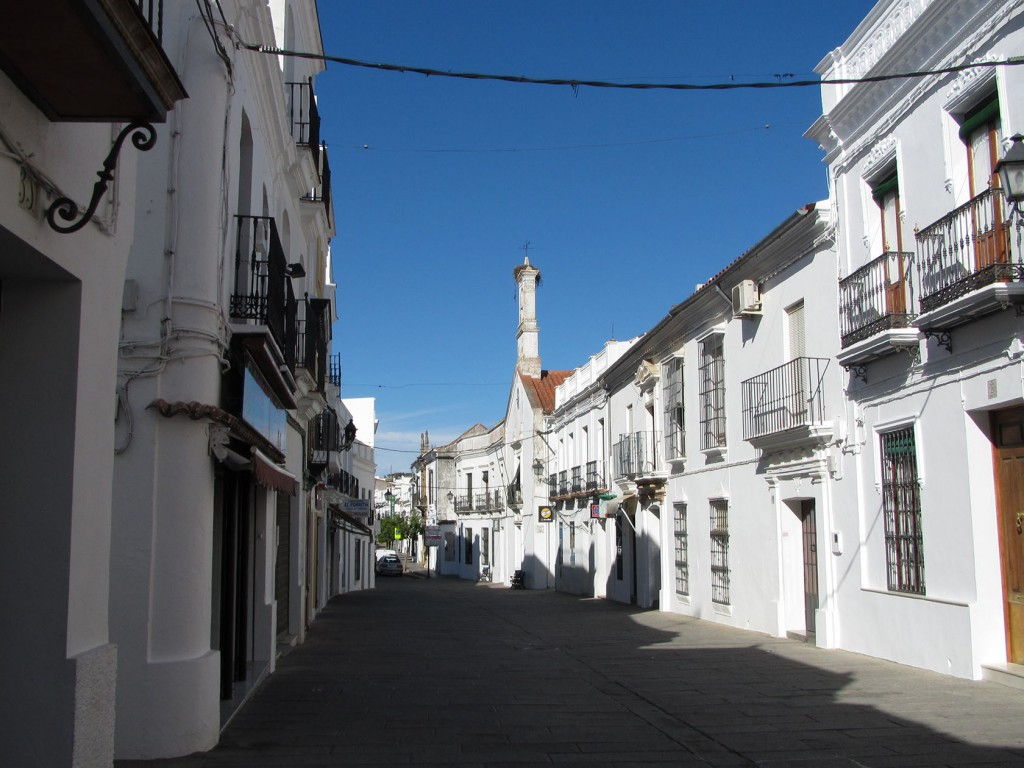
<point x="443" y="672"/>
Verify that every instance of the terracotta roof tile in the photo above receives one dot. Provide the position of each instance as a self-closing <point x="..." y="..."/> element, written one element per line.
<point x="542" y="391"/>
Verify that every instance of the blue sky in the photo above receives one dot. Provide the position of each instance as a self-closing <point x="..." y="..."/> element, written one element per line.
<point x="627" y="198"/>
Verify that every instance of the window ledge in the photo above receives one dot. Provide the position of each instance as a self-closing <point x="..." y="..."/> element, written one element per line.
<point x="718" y="452"/>
<point x="913" y="596"/>
<point x="722" y="610"/>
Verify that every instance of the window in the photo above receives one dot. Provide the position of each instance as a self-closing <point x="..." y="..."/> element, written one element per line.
<point x="720" y="551"/>
<point x="485" y="546"/>
<point x="901" y="505"/>
<point x="358" y="559"/>
<point x="682" y="556"/>
<point x="468" y="546"/>
<point x="980" y="130"/>
<point x="572" y="543"/>
<point x="712" y="392"/>
<point x="672" y="376"/>
<point x="449" y="546"/>
<point x="469" y="491"/>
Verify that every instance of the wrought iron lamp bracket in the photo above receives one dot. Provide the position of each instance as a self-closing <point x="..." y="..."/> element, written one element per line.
<point x="143" y="138"/>
<point x="913" y="354"/>
<point x="942" y="338"/>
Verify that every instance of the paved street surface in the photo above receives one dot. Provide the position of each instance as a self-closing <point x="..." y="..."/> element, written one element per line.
<point x="448" y="673"/>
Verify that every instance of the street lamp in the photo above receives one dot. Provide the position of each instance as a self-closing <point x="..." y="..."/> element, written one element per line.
<point x="1011" y="173"/>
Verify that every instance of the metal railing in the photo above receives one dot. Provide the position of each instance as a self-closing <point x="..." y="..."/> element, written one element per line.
<point x="312" y="337"/>
<point x="563" y="483"/>
<point x="489" y="501"/>
<point x="262" y="291"/>
<point x="785" y="397"/>
<point x="334" y="370"/>
<point x="594" y="477"/>
<point x="635" y="454"/>
<point x="966" y="249"/>
<point x="876" y="297"/>
<point x="322" y="438"/>
<point x="153" y="12"/>
<point x="576" y="480"/>
<point x="553" y="484"/>
<point x="464" y="503"/>
<point x="304" y="117"/>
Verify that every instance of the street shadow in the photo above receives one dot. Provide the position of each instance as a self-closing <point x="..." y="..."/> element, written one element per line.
<point x="449" y="672"/>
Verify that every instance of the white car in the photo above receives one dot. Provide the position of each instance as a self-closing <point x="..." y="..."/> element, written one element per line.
<point x="382" y="552"/>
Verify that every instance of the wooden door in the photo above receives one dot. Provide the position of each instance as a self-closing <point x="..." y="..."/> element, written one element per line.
<point x="989" y="233"/>
<point x="810" y="540"/>
<point x="1008" y="434"/>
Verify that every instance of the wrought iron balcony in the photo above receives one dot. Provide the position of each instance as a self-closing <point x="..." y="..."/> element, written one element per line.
<point x="95" y="61"/>
<point x="553" y="484"/>
<point x="262" y="293"/>
<point x="563" y="483"/>
<point x="464" y="503"/>
<point x="635" y="455"/>
<point x="321" y="193"/>
<point x="312" y="338"/>
<point x="787" y="401"/>
<point x="489" y="501"/>
<point x="594" y="479"/>
<point x="304" y="117"/>
<point x="334" y="372"/>
<point x="968" y="249"/>
<point x="576" y="481"/>
<point x="877" y="297"/>
<point x="322" y="437"/>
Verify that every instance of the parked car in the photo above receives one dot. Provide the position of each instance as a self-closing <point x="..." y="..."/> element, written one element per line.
<point x="389" y="565"/>
<point x="384" y="552"/>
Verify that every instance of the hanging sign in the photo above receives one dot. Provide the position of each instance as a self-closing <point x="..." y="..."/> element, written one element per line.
<point x="544" y="514"/>
<point x="432" y="536"/>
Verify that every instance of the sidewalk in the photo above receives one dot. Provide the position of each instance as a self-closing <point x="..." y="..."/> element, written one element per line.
<point x="450" y="673"/>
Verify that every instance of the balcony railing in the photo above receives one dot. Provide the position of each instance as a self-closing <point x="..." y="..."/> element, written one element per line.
<point x="322" y="439"/>
<point x="334" y="372"/>
<point x="262" y="292"/>
<point x="553" y="484"/>
<point x="312" y="338"/>
<point x="784" y="398"/>
<point x="594" y="478"/>
<point x="967" y="249"/>
<point x="563" y="483"/>
<point x="877" y="297"/>
<point x="635" y="454"/>
<point x="464" y="503"/>
<point x="489" y="501"/>
<point x="304" y="117"/>
<point x="322" y="192"/>
<point x="153" y="12"/>
<point x="576" y="480"/>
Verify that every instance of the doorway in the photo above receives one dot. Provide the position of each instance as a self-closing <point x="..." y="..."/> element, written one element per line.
<point x="809" y="538"/>
<point x="800" y="569"/>
<point x="1008" y="439"/>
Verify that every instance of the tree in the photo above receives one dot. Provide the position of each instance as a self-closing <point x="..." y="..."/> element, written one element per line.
<point x="391" y="529"/>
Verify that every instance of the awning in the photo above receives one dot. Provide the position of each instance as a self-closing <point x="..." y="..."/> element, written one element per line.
<point x="271" y="476"/>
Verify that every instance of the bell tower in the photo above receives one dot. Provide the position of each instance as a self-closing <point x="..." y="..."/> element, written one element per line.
<point x="527" y="334"/>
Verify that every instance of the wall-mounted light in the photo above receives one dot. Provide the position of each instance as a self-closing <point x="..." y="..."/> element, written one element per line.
<point x="295" y="270"/>
<point x="1011" y="174"/>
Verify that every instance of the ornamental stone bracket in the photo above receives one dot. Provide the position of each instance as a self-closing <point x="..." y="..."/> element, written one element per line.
<point x="651" y="489"/>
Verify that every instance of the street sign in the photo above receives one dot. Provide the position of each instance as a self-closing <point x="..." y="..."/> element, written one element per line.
<point x="432" y="536"/>
<point x="358" y="508"/>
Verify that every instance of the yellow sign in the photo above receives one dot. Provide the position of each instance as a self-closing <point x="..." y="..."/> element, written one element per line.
<point x="544" y="514"/>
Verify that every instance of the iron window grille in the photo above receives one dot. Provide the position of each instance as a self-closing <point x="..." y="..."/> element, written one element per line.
<point x="720" y="551"/>
<point x="576" y="481"/>
<point x="681" y="550"/>
<point x="595" y="481"/>
<point x="712" y="392"/>
<point x="901" y="505"/>
<point x="675" y="430"/>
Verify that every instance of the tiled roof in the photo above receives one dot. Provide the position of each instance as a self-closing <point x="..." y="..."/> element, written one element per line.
<point x="542" y="391"/>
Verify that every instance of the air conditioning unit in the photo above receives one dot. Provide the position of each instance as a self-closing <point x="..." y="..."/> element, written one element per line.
<point x="746" y="299"/>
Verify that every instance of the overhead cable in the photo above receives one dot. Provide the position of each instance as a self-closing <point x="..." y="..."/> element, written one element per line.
<point x="576" y="83"/>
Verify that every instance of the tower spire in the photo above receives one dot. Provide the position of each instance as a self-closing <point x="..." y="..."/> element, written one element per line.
<point x="528" y="332"/>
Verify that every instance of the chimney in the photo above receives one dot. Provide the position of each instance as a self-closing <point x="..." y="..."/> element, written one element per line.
<point x="527" y="335"/>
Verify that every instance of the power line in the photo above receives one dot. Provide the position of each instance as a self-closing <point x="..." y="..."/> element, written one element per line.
<point x="576" y="83"/>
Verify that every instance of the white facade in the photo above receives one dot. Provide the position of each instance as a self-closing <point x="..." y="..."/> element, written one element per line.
<point x="929" y="269"/>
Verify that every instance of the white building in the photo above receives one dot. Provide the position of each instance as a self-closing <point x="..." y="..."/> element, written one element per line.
<point x="70" y="93"/>
<point x="218" y="542"/>
<point x="930" y="275"/>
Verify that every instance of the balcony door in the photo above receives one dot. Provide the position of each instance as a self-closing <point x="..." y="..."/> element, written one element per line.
<point x="886" y="193"/>
<point x="980" y="133"/>
<point x="1008" y="436"/>
<point x="797" y="349"/>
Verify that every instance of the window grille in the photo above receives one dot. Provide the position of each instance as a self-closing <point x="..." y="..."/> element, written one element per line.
<point x="681" y="549"/>
<point x="712" y="393"/>
<point x="720" y="551"/>
<point x="901" y="504"/>
<point x="673" y="396"/>
<point x="468" y="546"/>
